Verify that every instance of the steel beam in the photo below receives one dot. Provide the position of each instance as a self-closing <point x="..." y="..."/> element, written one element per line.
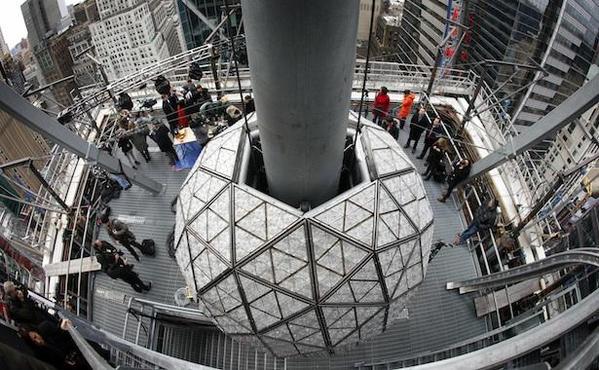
<point x="51" y="129"/>
<point x="194" y="9"/>
<point x="570" y="109"/>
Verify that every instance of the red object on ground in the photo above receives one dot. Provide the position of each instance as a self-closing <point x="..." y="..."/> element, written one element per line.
<point x="182" y="117"/>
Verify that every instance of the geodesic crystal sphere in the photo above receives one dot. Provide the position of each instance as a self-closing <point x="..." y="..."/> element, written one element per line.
<point x="298" y="282"/>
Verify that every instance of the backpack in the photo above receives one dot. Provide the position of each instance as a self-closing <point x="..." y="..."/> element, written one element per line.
<point x="195" y="71"/>
<point x="162" y="85"/>
<point x="148" y="247"/>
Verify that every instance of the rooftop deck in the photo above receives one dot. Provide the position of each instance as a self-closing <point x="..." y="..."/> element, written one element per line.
<point x="437" y="317"/>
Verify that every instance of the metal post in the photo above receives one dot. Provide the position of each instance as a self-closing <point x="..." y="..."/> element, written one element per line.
<point x="431" y="82"/>
<point x="472" y="101"/>
<point x="51" y="129"/>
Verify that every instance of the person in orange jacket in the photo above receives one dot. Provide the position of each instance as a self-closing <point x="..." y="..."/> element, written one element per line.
<point x="405" y="107"/>
<point x="380" y="106"/>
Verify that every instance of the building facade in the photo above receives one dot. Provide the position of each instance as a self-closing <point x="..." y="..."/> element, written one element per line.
<point x="195" y="30"/>
<point x="387" y="36"/>
<point x="42" y="17"/>
<point x="17" y="142"/>
<point x="3" y="47"/>
<point x="364" y="18"/>
<point x="133" y="34"/>
<point x="423" y="27"/>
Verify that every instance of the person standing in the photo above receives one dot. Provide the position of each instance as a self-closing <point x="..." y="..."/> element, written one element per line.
<point x="169" y="107"/>
<point x="419" y="123"/>
<point x="249" y="105"/>
<point x="391" y="127"/>
<point x="120" y="232"/>
<point x="434" y="161"/>
<point x="405" y="107"/>
<point x="380" y="107"/>
<point x="124" y="142"/>
<point x="431" y="135"/>
<point x="484" y="219"/>
<point x="459" y="173"/>
<point x="159" y="133"/>
<point x="138" y="138"/>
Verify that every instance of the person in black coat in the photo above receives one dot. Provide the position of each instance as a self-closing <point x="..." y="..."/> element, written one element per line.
<point x="484" y="219"/>
<point x="106" y="254"/>
<point x="170" y="104"/>
<point x="434" y="161"/>
<point x="120" y="232"/>
<point x="249" y="104"/>
<point x="51" y="343"/>
<point x="391" y="127"/>
<point x="431" y="135"/>
<point x="460" y="171"/>
<point x="418" y="125"/>
<point x="124" y="142"/>
<point x="21" y="308"/>
<point x="115" y="266"/>
<point x="159" y="134"/>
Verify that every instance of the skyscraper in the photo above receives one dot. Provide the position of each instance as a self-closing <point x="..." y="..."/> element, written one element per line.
<point x="424" y="27"/>
<point x="132" y="34"/>
<point x="3" y="47"/>
<point x="195" y="30"/>
<point x="559" y="35"/>
<point x="41" y="17"/>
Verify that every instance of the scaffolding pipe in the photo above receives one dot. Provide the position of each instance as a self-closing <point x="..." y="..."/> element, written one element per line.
<point x="52" y="130"/>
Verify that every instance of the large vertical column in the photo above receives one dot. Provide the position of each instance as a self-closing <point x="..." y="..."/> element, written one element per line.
<point x="302" y="57"/>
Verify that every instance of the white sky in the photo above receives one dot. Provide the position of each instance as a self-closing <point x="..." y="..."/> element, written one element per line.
<point x="11" y="20"/>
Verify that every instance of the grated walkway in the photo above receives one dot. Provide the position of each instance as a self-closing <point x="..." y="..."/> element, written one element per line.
<point x="149" y="217"/>
<point x="437" y="317"/>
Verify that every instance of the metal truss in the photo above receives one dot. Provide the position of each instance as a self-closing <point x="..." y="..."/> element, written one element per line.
<point x="51" y="129"/>
<point x="136" y="80"/>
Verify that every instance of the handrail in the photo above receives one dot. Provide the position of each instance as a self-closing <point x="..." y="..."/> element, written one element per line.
<point x="538" y="268"/>
<point x="586" y="353"/>
<point x="91" y="356"/>
<point x="88" y="331"/>
<point x="509" y="349"/>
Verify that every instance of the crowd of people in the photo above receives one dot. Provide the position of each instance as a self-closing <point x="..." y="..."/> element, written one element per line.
<point x="43" y="332"/>
<point x="435" y="151"/>
<point x="436" y="146"/>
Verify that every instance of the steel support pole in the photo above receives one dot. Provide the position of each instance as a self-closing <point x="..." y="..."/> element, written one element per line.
<point x="302" y="58"/>
<point x="570" y="109"/>
<point x="51" y="129"/>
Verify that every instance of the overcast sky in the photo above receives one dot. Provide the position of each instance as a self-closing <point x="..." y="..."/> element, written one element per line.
<point x="11" y="20"/>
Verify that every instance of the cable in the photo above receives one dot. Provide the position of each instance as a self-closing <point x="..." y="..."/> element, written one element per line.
<point x="234" y="57"/>
<point x="366" y="66"/>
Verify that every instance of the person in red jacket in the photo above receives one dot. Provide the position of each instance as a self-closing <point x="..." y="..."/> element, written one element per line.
<point x="380" y="106"/>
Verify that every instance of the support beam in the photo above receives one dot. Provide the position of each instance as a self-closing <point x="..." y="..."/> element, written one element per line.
<point x="570" y="109"/>
<point x="51" y="129"/>
<point x="194" y="9"/>
<point x="302" y="55"/>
